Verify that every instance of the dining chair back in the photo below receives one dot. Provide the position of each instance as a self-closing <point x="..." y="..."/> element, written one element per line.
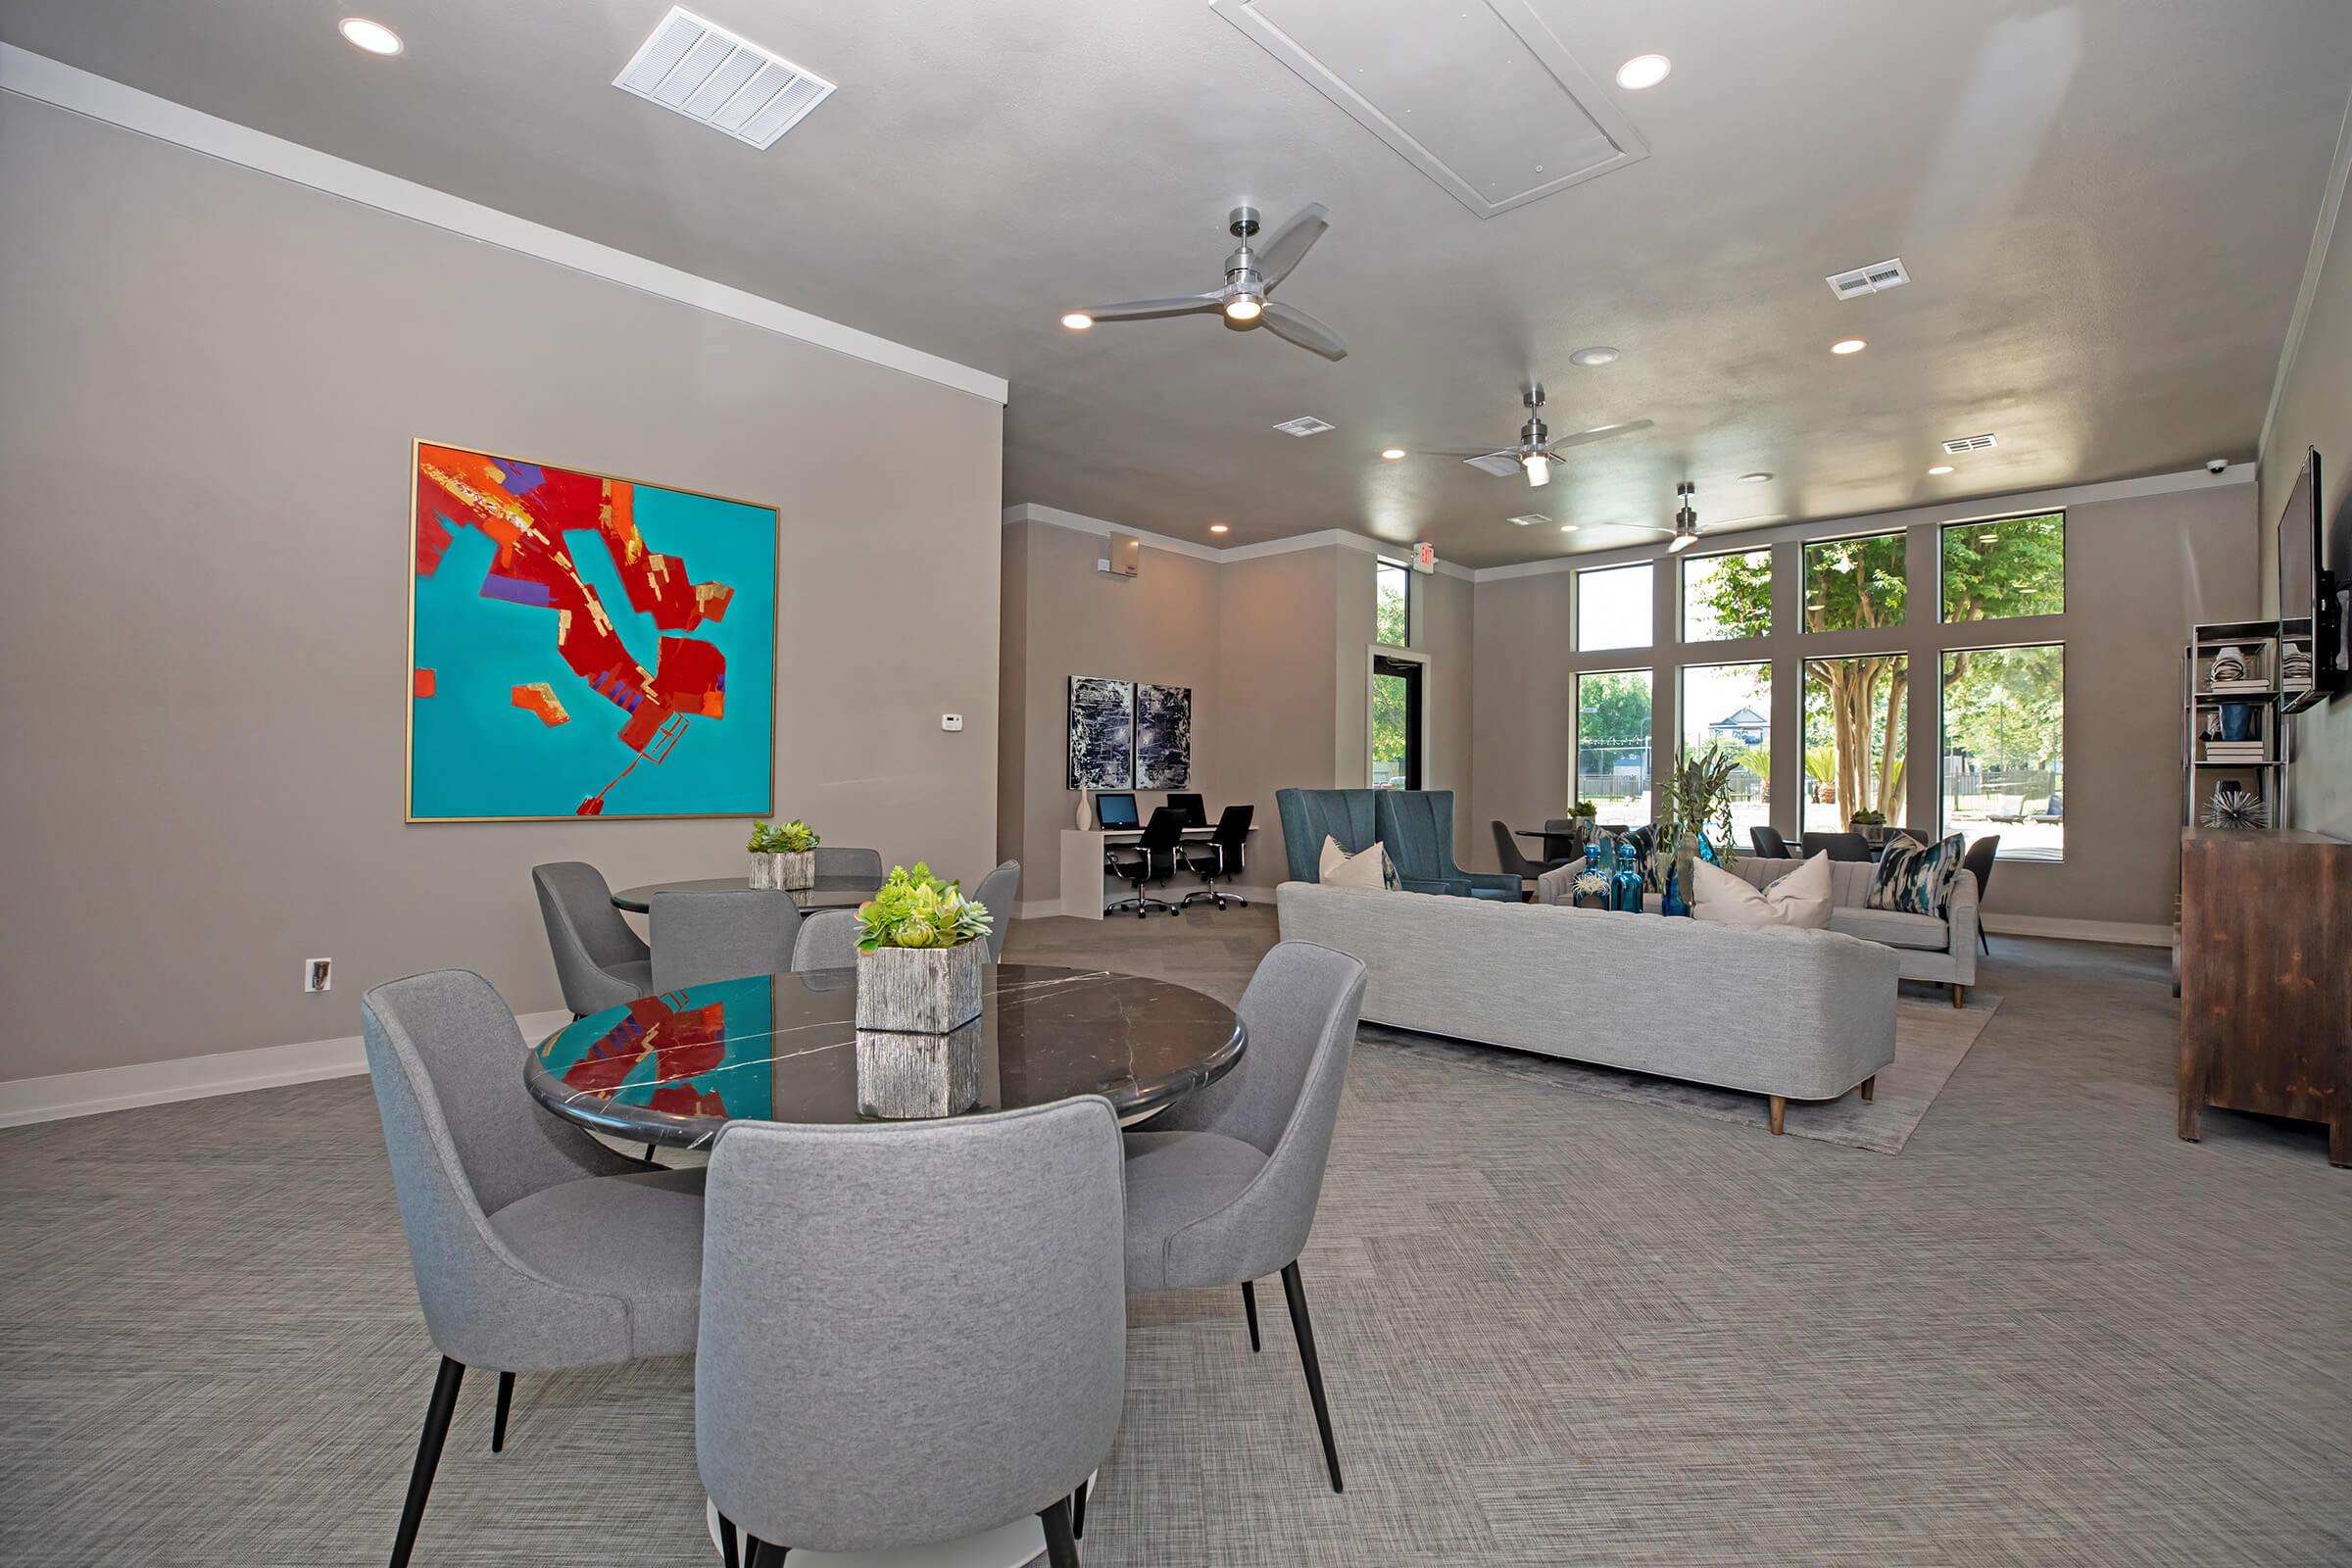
<point x="997" y="893"/>
<point x="726" y="935"/>
<point x="913" y="1332"/>
<point x="849" y="863"/>
<point x="1564" y="838"/>
<point x="829" y="940"/>
<point x="1979" y="859"/>
<point x="1769" y="843"/>
<point x="1510" y="856"/>
<point x="1837" y="846"/>
<point x="600" y="963"/>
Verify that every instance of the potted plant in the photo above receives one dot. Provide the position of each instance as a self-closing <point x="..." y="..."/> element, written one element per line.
<point x="1867" y="822"/>
<point x="1586" y="810"/>
<point x="919" y="955"/>
<point x="783" y="854"/>
<point x="1694" y="797"/>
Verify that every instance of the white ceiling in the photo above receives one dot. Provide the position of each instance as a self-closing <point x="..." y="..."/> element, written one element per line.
<point x="2105" y="207"/>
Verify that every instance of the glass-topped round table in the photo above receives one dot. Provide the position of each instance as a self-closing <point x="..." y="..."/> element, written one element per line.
<point x="672" y="1070"/>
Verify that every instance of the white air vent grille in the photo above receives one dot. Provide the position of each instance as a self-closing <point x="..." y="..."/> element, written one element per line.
<point x="708" y="75"/>
<point x="1873" y="279"/>
<point x="1970" y="443"/>
<point x="1304" y="424"/>
<point x="1529" y="519"/>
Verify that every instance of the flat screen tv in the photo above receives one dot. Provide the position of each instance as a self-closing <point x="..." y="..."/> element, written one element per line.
<point x="2307" y="607"/>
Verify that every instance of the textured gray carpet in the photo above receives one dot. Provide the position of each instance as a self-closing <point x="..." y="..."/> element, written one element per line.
<point x="1558" y="1329"/>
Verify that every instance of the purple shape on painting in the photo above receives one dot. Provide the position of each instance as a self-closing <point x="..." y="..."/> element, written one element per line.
<point x="516" y="591"/>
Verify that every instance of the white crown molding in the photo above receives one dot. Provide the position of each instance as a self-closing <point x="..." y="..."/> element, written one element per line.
<point x="2322" y="238"/>
<point x="53" y="82"/>
<point x="1326" y="539"/>
<point x="229" y="1072"/>
<point x="1941" y="511"/>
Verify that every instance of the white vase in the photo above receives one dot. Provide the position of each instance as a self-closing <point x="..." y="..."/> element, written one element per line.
<point x="1086" y="815"/>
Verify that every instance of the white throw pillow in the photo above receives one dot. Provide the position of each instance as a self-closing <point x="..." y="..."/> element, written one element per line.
<point x="1340" y="869"/>
<point x="1801" y="899"/>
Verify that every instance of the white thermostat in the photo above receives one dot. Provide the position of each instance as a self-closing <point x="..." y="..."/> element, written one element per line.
<point x="950" y="722"/>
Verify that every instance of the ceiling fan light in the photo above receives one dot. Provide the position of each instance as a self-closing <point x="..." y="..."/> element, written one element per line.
<point x="1538" y="469"/>
<point x="1077" y="321"/>
<point x="1242" y="308"/>
<point x="1679" y="543"/>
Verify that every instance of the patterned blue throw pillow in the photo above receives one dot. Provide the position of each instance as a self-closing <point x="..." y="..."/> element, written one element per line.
<point x="1913" y="879"/>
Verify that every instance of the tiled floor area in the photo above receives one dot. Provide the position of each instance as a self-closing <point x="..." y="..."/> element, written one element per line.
<point x="1558" y="1329"/>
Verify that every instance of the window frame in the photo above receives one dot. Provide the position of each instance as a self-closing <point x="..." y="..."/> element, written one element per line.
<point x="1942" y="744"/>
<point x="1682" y="600"/>
<point x="1804" y="581"/>
<point x="1576" y="725"/>
<point x="1942" y="612"/>
<point x="1650" y="593"/>
<point x="1379" y="563"/>
<point x="1805" y="663"/>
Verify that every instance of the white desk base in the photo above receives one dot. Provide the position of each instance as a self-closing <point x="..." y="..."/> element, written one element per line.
<point x="1082" y="867"/>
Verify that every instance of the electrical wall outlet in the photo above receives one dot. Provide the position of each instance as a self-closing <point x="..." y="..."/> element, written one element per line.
<point x="952" y="723"/>
<point x="318" y="974"/>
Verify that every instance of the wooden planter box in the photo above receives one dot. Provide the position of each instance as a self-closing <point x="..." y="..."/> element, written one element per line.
<point x="920" y="990"/>
<point x="789" y="871"/>
<point x="906" y="1076"/>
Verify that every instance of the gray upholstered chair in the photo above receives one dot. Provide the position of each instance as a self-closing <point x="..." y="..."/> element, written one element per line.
<point x="598" y="960"/>
<point x="534" y="1249"/>
<point x="866" y="864"/>
<point x="1847" y="847"/>
<point x="911" y="1333"/>
<point x="1222" y="1186"/>
<point x="727" y="935"/>
<point x="997" y="891"/>
<point x="1978" y="861"/>
<point x="828" y="941"/>
<point x="1770" y="845"/>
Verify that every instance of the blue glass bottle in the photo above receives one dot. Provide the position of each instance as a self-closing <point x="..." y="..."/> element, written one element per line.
<point x="1625" y="888"/>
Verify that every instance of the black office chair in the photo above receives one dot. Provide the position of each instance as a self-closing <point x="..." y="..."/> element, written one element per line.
<point x="1840" y="845"/>
<point x="1769" y="843"/>
<point x="1195" y="814"/>
<point x="1219" y="857"/>
<point x="1152" y="856"/>
<point x="1979" y="859"/>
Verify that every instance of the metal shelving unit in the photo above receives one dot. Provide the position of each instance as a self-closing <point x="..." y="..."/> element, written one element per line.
<point x="2204" y="698"/>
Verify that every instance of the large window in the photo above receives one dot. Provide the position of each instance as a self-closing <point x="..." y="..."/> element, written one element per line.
<point x="1855" y="715"/>
<point x="1853" y="584"/>
<point x="1393" y="604"/>
<point x="1729" y="706"/>
<point x="1612" y="743"/>
<point x="2004" y="747"/>
<point x="2008" y="567"/>
<point x="1725" y="597"/>
<point x="1612" y="608"/>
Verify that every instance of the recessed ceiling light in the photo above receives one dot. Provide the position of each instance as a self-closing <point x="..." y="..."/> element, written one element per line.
<point x="1597" y="355"/>
<point x="1077" y="321"/>
<point x="1216" y="528"/>
<point x="1942" y="468"/>
<point x="1642" y="71"/>
<point x="372" y="36"/>
<point x="1850" y="345"/>
<point x="1754" y="478"/>
<point x="1567" y="528"/>
<point x="1392" y="453"/>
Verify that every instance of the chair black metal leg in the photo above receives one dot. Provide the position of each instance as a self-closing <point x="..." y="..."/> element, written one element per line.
<point x="649" y="1155"/>
<point x="1295" y="1288"/>
<point x="759" y="1553"/>
<point x="498" y="1426"/>
<point x="428" y="1457"/>
<point x="1984" y="937"/>
<point x="1078" y="1512"/>
<point x="726" y="1542"/>
<point x="1061" y="1546"/>
<point x="1250" y="1305"/>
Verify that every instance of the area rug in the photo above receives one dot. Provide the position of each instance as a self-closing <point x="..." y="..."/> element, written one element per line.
<point x="1929" y="1038"/>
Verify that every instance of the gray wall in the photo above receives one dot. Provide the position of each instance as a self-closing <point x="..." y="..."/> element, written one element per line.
<point x="2314" y="410"/>
<point x="212" y="381"/>
<point x="2139" y="571"/>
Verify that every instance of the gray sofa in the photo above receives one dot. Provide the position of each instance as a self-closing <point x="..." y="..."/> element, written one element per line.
<point x="1939" y="952"/>
<point x="1788" y="1014"/>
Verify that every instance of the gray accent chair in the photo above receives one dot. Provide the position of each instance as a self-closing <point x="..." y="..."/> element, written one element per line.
<point x="1977" y="862"/>
<point x="1846" y="848"/>
<point x="600" y="963"/>
<point x="911" y="1333"/>
<point x="702" y="937"/>
<point x="829" y="940"/>
<point x="1222" y="1186"/>
<point x="535" y="1249"/>
<point x="1769" y="842"/>
<point x="849" y="862"/>
<point x="997" y="889"/>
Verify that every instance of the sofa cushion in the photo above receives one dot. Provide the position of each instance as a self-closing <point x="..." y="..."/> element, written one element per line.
<point x="1798" y="898"/>
<point x="1894" y="928"/>
<point x="1915" y="879"/>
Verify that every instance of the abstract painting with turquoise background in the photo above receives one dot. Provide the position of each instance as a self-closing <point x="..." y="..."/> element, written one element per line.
<point x="586" y="645"/>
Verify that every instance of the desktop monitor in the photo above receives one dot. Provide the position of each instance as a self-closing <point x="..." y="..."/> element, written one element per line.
<point x="1115" y="811"/>
<point x="1195" y="813"/>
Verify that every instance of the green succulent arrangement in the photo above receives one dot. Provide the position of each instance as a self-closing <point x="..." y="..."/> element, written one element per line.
<point x="917" y="909"/>
<point x="1584" y="808"/>
<point x="782" y="838"/>
<point x="1867" y="819"/>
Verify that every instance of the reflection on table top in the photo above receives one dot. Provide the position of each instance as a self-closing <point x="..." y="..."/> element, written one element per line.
<point x="828" y="892"/>
<point x="672" y="1070"/>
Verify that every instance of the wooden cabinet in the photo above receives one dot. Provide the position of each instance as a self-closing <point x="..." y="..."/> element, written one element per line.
<point x="2266" y="978"/>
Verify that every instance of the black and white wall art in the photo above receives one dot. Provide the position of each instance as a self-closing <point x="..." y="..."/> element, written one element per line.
<point x="1164" y="736"/>
<point x="1101" y="734"/>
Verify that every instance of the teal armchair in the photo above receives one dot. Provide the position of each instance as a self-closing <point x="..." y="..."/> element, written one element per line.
<point x="1417" y="826"/>
<point x="1309" y="816"/>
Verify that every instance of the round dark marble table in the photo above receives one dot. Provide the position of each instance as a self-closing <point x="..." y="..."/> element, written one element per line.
<point x="672" y="1070"/>
<point x="828" y="893"/>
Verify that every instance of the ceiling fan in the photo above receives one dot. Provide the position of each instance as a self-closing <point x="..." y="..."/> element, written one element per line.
<point x="1535" y="452"/>
<point x="1686" y="529"/>
<point x="1249" y="276"/>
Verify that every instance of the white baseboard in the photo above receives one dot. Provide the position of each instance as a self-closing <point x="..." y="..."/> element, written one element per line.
<point x="2042" y="925"/>
<point x="227" y="1072"/>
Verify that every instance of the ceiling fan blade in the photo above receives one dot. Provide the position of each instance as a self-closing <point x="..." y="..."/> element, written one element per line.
<point x="1298" y="328"/>
<point x="1599" y="433"/>
<point x="1131" y="309"/>
<point x="1291" y="243"/>
<point x="1734" y="523"/>
<point x="1502" y="464"/>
